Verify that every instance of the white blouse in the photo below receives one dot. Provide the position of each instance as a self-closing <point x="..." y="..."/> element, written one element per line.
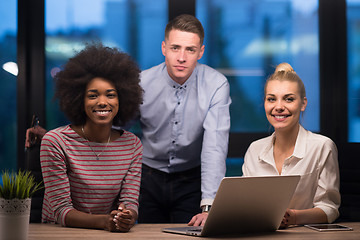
<point x="315" y="159"/>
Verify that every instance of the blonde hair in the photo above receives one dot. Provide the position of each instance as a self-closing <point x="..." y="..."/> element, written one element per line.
<point x="284" y="72"/>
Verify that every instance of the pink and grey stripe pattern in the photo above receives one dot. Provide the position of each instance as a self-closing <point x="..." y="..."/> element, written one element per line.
<point x="74" y="178"/>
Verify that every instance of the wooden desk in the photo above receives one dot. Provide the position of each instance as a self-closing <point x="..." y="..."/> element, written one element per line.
<point x="153" y="231"/>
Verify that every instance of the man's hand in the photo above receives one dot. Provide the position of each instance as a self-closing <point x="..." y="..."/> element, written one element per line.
<point x="124" y="219"/>
<point x="34" y="135"/>
<point x="199" y="219"/>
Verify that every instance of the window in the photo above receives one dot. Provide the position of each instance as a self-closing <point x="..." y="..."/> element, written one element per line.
<point x="134" y="26"/>
<point x="246" y="39"/>
<point x="8" y="73"/>
<point x="353" y="33"/>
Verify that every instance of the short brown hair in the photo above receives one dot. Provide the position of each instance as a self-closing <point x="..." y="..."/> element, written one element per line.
<point x="186" y="23"/>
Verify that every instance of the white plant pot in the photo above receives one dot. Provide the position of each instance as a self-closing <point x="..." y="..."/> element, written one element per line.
<point x="14" y="218"/>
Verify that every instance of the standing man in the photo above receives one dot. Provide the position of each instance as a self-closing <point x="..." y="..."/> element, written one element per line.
<point x="185" y="123"/>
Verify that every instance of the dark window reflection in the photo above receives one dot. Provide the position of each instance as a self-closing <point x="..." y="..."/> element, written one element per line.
<point x="353" y="19"/>
<point x="246" y="39"/>
<point x="134" y="26"/>
<point x="8" y="73"/>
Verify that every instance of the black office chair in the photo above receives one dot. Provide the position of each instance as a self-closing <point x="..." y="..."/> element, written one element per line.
<point x="350" y="194"/>
<point x="32" y="163"/>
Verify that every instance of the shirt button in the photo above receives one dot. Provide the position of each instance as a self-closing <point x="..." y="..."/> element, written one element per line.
<point x="176" y="122"/>
<point x="173" y="141"/>
<point x="178" y="103"/>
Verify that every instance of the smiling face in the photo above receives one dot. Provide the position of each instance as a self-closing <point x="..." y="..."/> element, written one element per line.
<point x="283" y="104"/>
<point x="182" y="50"/>
<point x="101" y="102"/>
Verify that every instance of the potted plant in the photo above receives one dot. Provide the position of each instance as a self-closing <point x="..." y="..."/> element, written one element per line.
<point x="15" y="203"/>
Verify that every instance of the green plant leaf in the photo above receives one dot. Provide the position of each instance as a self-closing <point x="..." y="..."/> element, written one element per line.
<point x="19" y="185"/>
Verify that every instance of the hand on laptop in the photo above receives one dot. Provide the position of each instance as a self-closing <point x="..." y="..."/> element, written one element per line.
<point x="199" y="219"/>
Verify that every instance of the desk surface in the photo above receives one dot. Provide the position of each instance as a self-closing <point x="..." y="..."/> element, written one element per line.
<point x="153" y="231"/>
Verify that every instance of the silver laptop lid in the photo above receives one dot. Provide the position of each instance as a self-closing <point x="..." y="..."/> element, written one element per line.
<point x="250" y="204"/>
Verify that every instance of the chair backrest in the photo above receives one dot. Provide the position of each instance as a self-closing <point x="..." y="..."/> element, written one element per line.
<point x="349" y="184"/>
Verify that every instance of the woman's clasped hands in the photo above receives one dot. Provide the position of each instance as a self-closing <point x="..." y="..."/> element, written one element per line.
<point x="122" y="220"/>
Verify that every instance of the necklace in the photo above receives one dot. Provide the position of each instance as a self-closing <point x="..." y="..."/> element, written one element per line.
<point x="97" y="155"/>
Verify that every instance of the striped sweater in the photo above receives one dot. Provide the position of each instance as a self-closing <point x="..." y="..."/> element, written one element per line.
<point x="75" y="179"/>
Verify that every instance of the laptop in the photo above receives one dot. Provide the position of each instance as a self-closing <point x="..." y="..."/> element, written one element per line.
<point x="246" y="205"/>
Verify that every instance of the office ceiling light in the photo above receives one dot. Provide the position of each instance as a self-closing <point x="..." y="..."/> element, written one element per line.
<point x="11" y="67"/>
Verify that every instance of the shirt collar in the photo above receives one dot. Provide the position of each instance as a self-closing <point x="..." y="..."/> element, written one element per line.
<point x="266" y="154"/>
<point x="300" y="145"/>
<point x="187" y="83"/>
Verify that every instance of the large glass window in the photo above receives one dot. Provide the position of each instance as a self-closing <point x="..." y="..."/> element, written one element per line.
<point x="353" y="27"/>
<point x="134" y="26"/>
<point x="246" y="39"/>
<point x="8" y="73"/>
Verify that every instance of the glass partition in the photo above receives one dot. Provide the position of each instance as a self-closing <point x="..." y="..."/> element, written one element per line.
<point x="246" y="39"/>
<point x="134" y="26"/>
<point x="353" y="36"/>
<point x="8" y="77"/>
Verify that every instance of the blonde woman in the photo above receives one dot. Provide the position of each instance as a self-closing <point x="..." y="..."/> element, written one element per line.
<point x="292" y="150"/>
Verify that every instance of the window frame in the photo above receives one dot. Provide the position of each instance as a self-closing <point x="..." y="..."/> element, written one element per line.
<point x="31" y="65"/>
<point x="333" y="71"/>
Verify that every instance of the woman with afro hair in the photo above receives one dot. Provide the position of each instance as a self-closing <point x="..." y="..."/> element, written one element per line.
<point x="91" y="170"/>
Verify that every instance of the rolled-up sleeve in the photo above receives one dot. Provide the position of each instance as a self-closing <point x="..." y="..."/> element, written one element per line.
<point x="327" y="196"/>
